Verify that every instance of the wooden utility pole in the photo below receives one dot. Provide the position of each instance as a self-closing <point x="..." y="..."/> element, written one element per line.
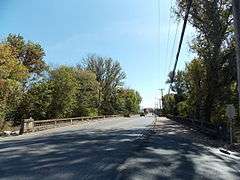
<point x="236" y="17"/>
<point x="161" y="99"/>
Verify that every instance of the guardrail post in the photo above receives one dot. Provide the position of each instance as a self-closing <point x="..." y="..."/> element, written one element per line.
<point x="71" y="121"/>
<point x="27" y="125"/>
<point x="55" y="122"/>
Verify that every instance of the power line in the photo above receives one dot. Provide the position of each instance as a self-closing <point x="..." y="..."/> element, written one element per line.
<point x="172" y="52"/>
<point x="159" y="28"/>
<point x="168" y="34"/>
<point x="174" y="44"/>
<point x="181" y="40"/>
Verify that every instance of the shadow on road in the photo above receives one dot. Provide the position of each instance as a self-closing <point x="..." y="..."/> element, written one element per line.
<point x="109" y="154"/>
<point x="172" y="152"/>
<point x="69" y="155"/>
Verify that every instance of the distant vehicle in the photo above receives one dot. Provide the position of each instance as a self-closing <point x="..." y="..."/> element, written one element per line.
<point x="142" y="114"/>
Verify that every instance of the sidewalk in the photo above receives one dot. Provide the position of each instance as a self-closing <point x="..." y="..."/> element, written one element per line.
<point x="177" y="152"/>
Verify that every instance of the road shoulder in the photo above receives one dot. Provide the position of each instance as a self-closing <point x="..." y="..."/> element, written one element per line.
<point x="174" y="151"/>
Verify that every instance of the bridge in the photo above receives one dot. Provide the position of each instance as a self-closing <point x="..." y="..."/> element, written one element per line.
<point x="116" y="148"/>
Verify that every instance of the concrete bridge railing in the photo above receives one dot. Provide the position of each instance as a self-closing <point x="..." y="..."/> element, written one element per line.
<point x="30" y="125"/>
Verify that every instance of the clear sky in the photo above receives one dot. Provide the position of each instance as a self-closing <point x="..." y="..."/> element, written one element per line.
<point x="133" y="32"/>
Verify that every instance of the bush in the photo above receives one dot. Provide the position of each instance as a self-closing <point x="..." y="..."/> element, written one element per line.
<point x="183" y="108"/>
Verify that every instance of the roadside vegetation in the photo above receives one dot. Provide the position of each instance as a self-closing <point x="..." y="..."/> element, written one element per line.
<point x="209" y="82"/>
<point x="31" y="88"/>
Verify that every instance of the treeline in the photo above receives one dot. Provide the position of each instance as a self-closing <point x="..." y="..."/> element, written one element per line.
<point x="209" y="82"/>
<point x="31" y="88"/>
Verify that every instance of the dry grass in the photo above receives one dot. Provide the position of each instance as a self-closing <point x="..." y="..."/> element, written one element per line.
<point x="5" y="126"/>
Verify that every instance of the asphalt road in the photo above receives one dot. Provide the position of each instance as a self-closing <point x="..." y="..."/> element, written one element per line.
<point x="174" y="151"/>
<point x="115" y="149"/>
<point x="92" y="150"/>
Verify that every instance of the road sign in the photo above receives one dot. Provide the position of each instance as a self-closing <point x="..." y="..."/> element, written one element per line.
<point x="230" y="111"/>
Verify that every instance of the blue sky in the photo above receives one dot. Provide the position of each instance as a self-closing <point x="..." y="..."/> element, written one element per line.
<point x="126" y="30"/>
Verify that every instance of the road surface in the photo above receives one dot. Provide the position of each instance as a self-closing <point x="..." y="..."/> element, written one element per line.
<point x="114" y="149"/>
<point x="176" y="152"/>
<point x="93" y="150"/>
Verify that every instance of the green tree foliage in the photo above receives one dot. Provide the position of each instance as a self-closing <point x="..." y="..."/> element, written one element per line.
<point x="12" y="74"/>
<point x="28" y="88"/>
<point x="195" y="81"/>
<point x="133" y="100"/>
<point x="73" y="92"/>
<point x="169" y="104"/>
<point x="210" y="78"/>
<point x="88" y="94"/>
<point x="64" y="86"/>
<point x="20" y="62"/>
<point x="183" y="108"/>
<point x="127" y="101"/>
<point x="178" y="85"/>
<point x="67" y="92"/>
<point x="213" y="23"/>
<point x="30" y="54"/>
<point x="110" y="76"/>
<point x="36" y="102"/>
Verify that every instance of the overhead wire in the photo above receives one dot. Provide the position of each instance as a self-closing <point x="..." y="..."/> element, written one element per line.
<point x="173" y="45"/>
<point x="168" y="36"/>
<point x="159" y="27"/>
<point x="180" y="42"/>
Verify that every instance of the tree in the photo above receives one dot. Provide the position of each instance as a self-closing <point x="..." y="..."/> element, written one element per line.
<point x="28" y="88"/>
<point x="212" y="20"/>
<point x="20" y="63"/>
<point x="88" y="93"/>
<point x="67" y="92"/>
<point x="64" y="86"/>
<point x="75" y="92"/>
<point x="169" y="104"/>
<point x="178" y="85"/>
<point x="127" y="101"/>
<point x="36" y="102"/>
<point x="183" y="108"/>
<point x="30" y="54"/>
<point x="12" y="73"/>
<point x="195" y="78"/>
<point x="133" y="100"/>
<point x="110" y="76"/>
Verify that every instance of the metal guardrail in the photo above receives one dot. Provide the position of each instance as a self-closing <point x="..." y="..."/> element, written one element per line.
<point x="30" y="125"/>
<point x="70" y="120"/>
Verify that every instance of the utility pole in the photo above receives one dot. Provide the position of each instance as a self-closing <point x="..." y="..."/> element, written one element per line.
<point x="189" y="5"/>
<point x="161" y="102"/>
<point x="162" y="97"/>
<point x="236" y="17"/>
<point x="162" y="92"/>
